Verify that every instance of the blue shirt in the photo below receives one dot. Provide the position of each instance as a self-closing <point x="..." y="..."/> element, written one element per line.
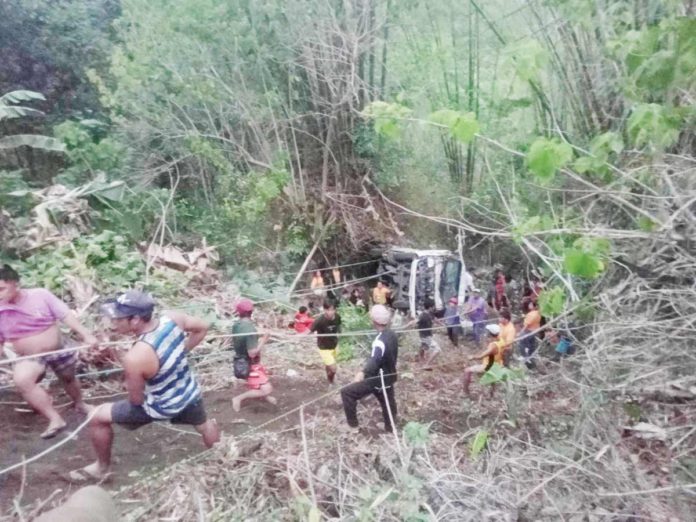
<point x="452" y="316"/>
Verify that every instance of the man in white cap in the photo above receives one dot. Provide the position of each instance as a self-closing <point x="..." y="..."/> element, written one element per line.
<point x="379" y="373"/>
<point x="160" y="384"/>
<point x="493" y="354"/>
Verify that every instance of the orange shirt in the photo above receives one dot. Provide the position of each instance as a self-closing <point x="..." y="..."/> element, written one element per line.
<point x="507" y="335"/>
<point x="532" y="321"/>
<point x="498" y="355"/>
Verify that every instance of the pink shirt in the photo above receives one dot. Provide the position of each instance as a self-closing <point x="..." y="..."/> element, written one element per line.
<point x="35" y="310"/>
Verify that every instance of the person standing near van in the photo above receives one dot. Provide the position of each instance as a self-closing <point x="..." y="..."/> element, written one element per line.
<point x="428" y="344"/>
<point x="477" y="312"/>
<point x="453" y="321"/>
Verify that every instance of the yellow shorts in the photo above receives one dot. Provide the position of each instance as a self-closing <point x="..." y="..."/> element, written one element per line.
<point x="328" y="357"/>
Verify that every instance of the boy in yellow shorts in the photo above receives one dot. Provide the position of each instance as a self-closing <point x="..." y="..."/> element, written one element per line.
<point x="327" y="325"/>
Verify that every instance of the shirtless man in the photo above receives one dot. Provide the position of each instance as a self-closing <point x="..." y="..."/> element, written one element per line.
<point x="29" y="322"/>
<point x="160" y="383"/>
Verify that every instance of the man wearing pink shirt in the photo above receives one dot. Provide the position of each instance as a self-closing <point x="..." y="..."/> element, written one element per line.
<point x="29" y="322"/>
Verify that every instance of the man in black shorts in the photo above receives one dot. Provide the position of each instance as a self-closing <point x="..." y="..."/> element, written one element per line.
<point x="160" y="383"/>
<point x="379" y="373"/>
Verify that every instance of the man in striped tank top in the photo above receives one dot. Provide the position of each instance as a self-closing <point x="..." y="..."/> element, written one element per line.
<point x="160" y="384"/>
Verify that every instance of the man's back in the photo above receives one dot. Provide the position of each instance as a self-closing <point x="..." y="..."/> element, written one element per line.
<point x="245" y="338"/>
<point x="384" y="356"/>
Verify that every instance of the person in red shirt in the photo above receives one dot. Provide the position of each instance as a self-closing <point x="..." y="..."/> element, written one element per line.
<point x="303" y="321"/>
<point x="500" y="291"/>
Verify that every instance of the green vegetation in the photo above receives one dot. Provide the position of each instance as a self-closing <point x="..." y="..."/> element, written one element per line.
<point x="551" y="135"/>
<point x="353" y="319"/>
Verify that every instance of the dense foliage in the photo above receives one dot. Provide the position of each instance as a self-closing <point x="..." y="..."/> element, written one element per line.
<point x="555" y="134"/>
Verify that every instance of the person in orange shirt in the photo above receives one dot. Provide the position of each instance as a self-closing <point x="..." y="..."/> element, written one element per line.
<point x="380" y="293"/>
<point x="507" y="333"/>
<point x="528" y="335"/>
<point x="493" y="354"/>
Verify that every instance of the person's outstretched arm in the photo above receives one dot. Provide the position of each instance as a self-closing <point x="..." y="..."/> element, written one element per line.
<point x="195" y="327"/>
<point x="72" y="322"/>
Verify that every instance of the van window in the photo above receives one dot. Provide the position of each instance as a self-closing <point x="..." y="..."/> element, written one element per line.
<point x="449" y="279"/>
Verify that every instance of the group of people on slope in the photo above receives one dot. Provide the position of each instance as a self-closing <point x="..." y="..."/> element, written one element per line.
<point x="159" y="382"/>
<point x="158" y="379"/>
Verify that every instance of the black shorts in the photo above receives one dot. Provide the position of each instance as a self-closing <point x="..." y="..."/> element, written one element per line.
<point x="133" y="417"/>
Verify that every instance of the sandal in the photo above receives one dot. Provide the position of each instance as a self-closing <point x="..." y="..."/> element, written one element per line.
<point x="82" y="475"/>
<point x="52" y="432"/>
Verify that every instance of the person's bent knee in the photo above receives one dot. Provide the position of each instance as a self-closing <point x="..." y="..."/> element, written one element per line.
<point x="102" y="415"/>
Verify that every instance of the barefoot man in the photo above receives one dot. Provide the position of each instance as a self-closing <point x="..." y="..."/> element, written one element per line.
<point x="29" y="322"/>
<point x="247" y="355"/>
<point x="160" y="384"/>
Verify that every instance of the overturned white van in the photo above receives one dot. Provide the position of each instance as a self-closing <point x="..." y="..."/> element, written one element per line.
<point x="416" y="275"/>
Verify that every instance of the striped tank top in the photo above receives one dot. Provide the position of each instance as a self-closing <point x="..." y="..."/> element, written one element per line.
<point x="173" y="387"/>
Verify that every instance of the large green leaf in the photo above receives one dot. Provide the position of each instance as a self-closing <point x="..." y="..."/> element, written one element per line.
<point x="653" y="125"/>
<point x="462" y="125"/>
<point x="529" y="58"/>
<point x="552" y="301"/>
<point x="387" y="117"/>
<point x="546" y="156"/>
<point x="582" y="264"/>
<point x="31" y="140"/>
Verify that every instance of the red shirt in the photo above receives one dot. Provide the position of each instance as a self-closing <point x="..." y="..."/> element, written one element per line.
<point x="303" y="322"/>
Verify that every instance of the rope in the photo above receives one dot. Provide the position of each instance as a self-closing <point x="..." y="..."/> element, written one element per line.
<point x="243" y="436"/>
<point x="340" y="266"/>
<point x="210" y="337"/>
<point x="51" y="449"/>
<point x="338" y="286"/>
<point x="207" y="285"/>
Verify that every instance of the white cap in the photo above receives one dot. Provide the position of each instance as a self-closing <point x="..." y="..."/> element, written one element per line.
<point x="493" y="329"/>
<point x="380" y="314"/>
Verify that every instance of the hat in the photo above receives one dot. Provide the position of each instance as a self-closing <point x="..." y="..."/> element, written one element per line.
<point x="244" y="306"/>
<point x="129" y="304"/>
<point x="476" y="290"/>
<point x="380" y="314"/>
<point x="493" y="329"/>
